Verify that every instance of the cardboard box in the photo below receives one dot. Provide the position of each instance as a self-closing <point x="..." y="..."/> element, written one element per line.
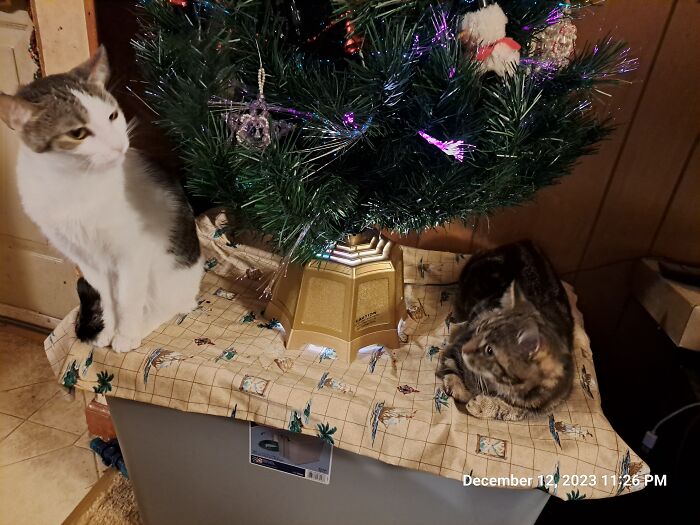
<point x="675" y="306"/>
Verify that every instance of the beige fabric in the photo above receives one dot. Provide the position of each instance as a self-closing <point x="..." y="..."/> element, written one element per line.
<point x="430" y="267"/>
<point x="387" y="405"/>
<point x="230" y="259"/>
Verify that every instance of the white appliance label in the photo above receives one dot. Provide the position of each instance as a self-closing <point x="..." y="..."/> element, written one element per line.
<point x="299" y="455"/>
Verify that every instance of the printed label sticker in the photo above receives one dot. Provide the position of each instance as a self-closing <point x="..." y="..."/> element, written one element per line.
<point x="300" y="455"/>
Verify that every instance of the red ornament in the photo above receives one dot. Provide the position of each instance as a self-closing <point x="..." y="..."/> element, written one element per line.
<point x="353" y="44"/>
<point x="483" y="52"/>
<point x="353" y="41"/>
<point x="179" y="3"/>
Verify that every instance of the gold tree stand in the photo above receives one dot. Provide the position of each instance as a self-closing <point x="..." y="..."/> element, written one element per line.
<point x="350" y="298"/>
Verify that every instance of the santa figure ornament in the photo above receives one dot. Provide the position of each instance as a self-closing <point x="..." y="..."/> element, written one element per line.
<point x="485" y="29"/>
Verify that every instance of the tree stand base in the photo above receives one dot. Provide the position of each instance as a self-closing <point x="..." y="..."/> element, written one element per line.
<point x="349" y="298"/>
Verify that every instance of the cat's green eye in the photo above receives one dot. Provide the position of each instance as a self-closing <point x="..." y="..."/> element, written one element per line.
<point x="114" y="115"/>
<point x="78" y="133"/>
<point x="488" y="349"/>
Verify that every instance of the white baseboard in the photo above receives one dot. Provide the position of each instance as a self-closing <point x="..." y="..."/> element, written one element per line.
<point x="28" y="316"/>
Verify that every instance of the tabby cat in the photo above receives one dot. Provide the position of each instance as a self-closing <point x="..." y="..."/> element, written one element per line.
<point x="510" y="351"/>
<point x="128" y="227"/>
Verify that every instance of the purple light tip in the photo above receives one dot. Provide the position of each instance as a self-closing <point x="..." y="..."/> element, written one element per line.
<point x="453" y="148"/>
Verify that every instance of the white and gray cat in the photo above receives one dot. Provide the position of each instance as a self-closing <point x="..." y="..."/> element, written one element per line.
<point x="128" y="227"/>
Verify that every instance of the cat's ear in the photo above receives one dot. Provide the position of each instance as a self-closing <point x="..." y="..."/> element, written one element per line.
<point x="511" y="297"/>
<point x="14" y="111"/>
<point x="95" y="69"/>
<point x="529" y="340"/>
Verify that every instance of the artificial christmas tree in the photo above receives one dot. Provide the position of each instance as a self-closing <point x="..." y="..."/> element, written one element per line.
<point x="310" y="121"/>
<point x="405" y="133"/>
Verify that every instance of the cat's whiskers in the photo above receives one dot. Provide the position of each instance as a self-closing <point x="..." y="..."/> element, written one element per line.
<point x="131" y="127"/>
<point x="89" y="165"/>
<point x="483" y="385"/>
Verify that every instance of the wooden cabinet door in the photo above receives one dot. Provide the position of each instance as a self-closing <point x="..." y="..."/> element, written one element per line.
<point x="37" y="285"/>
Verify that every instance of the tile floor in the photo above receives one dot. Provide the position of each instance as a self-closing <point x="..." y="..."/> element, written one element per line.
<point x="46" y="465"/>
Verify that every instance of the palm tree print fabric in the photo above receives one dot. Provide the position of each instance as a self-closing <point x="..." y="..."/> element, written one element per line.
<point x="386" y="405"/>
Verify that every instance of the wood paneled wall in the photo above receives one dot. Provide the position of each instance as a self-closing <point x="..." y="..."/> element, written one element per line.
<point x="640" y="194"/>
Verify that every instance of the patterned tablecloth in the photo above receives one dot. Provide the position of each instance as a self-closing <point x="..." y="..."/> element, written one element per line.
<point x="226" y="359"/>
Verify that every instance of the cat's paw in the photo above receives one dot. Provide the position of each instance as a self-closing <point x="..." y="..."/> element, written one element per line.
<point x="513" y="415"/>
<point x="474" y="407"/>
<point x="488" y="407"/>
<point x="104" y="338"/>
<point x="190" y="306"/>
<point x="453" y="386"/>
<point x="482" y="406"/>
<point x="122" y="343"/>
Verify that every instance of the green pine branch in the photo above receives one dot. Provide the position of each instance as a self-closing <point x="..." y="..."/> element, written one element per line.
<point x="354" y="156"/>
